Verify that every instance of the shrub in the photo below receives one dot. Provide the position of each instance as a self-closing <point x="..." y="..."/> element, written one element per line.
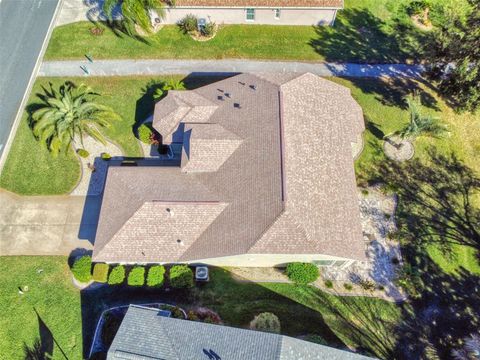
<point x="177" y="313"/>
<point x="367" y="285"/>
<point x="348" y="286"/>
<point x="83" y="153"/>
<point x="317" y="339"/>
<point x="266" y="322"/>
<point x="302" y="273"/>
<point x="189" y="23"/>
<point x="328" y="284"/>
<point x="100" y="273"/>
<point x="111" y="324"/>
<point x="82" y="269"/>
<point x="156" y="275"/>
<point x="145" y="133"/>
<point x="106" y="156"/>
<point x="417" y="7"/>
<point x="117" y="275"/>
<point x="181" y="276"/>
<point x="192" y="316"/>
<point x="209" y="29"/>
<point x="136" y="277"/>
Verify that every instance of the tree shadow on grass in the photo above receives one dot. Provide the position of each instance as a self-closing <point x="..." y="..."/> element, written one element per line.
<point x="436" y="206"/>
<point x="359" y="36"/>
<point x="392" y="91"/>
<point x="222" y="294"/>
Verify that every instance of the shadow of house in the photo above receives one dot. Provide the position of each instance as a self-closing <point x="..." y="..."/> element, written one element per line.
<point x="220" y="294"/>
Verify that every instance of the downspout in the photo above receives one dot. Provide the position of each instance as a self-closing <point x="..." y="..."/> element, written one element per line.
<point x="334" y="17"/>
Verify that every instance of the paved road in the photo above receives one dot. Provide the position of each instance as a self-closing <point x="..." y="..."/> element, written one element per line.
<point x="23" y="27"/>
<point x="158" y="67"/>
<point x="46" y="225"/>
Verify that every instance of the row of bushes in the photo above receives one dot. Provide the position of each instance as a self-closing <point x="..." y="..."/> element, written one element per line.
<point x="189" y="25"/>
<point x="180" y="276"/>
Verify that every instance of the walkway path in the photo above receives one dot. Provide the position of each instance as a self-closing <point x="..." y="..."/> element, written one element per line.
<point x="45" y="225"/>
<point x="174" y="66"/>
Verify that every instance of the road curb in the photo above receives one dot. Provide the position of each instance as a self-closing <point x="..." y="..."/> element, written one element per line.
<point x="28" y="90"/>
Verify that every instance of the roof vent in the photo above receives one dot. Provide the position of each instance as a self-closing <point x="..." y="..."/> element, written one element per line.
<point x="180" y="242"/>
<point x="236" y="106"/>
<point x="220" y="97"/>
<point x="241" y="83"/>
<point x="253" y="87"/>
<point x="169" y="211"/>
<point x="227" y="95"/>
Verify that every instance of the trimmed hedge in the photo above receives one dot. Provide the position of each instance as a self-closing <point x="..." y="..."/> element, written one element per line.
<point x="156" y="275"/>
<point x="181" y="276"/>
<point x="117" y="275"/>
<point x="100" y="272"/>
<point x="266" y="322"/>
<point x="302" y="273"/>
<point x="136" y="277"/>
<point x="82" y="269"/>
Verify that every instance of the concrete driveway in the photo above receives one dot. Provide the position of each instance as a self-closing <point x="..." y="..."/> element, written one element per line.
<point x="46" y="225"/>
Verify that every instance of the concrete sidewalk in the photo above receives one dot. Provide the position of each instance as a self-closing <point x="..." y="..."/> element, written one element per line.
<point x="45" y="225"/>
<point x="174" y="66"/>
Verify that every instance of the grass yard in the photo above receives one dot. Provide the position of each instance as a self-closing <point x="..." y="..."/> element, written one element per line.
<point x="31" y="170"/>
<point x="59" y="305"/>
<point x="365" y="31"/>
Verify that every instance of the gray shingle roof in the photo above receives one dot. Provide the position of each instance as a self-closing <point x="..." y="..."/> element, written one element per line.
<point x="276" y="152"/>
<point x="144" y="334"/>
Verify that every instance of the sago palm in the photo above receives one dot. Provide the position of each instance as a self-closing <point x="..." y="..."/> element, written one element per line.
<point x="68" y="113"/>
<point x="419" y="124"/>
<point x="135" y="12"/>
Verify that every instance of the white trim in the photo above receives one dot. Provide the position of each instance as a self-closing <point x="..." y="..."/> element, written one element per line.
<point x="28" y="89"/>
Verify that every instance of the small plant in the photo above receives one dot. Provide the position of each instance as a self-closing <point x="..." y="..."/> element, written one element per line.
<point x="156" y="276"/>
<point x="136" y="277"/>
<point x="144" y="133"/>
<point x="83" y="153"/>
<point x="177" y="313"/>
<point x="317" y="339"/>
<point x="181" y="276"/>
<point x="302" y="273"/>
<point x="328" y="284"/>
<point x="117" y="275"/>
<point x="189" y="23"/>
<point x="82" y="269"/>
<point x="192" y="316"/>
<point x="380" y="287"/>
<point x="267" y="322"/>
<point x="100" y="272"/>
<point x="96" y="31"/>
<point x="395" y="260"/>
<point x="348" y="286"/>
<point x="106" y="156"/>
<point x="367" y="285"/>
<point x="364" y="192"/>
<point x="208" y="29"/>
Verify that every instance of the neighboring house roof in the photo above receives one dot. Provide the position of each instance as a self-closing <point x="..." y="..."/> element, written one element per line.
<point x="262" y="3"/>
<point x="145" y="335"/>
<point x="275" y="159"/>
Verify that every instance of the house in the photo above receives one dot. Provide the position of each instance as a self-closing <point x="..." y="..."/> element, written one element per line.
<point x="263" y="175"/>
<point x="273" y="12"/>
<point x="144" y="335"/>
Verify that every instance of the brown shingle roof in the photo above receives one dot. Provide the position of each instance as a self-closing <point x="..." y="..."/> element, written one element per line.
<point x="262" y="3"/>
<point x="287" y="186"/>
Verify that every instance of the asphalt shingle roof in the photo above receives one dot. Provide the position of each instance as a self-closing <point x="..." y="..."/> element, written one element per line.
<point x="144" y="335"/>
<point x="275" y="153"/>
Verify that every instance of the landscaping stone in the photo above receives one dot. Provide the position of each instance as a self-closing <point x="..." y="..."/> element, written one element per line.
<point x="92" y="182"/>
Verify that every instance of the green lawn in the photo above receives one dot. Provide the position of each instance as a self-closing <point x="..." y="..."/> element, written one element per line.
<point x="59" y="305"/>
<point x="363" y="32"/>
<point x="31" y="170"/>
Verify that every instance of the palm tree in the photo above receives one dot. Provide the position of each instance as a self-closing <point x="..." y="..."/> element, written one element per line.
<point x="419" y="124"/>
<point x="68" y="113"/>
<point x="135" y="12"/>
